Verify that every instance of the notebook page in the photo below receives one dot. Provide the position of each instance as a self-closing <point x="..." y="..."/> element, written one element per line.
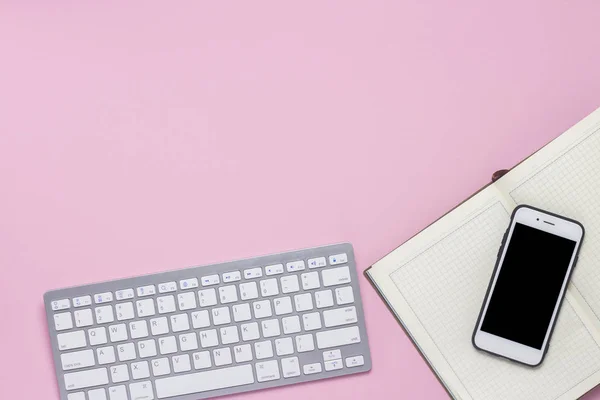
<point x="436" y="283"/>
<point x="564" y="177"/>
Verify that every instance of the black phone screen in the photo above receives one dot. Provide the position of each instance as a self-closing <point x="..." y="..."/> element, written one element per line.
<point x="528" y="286"/>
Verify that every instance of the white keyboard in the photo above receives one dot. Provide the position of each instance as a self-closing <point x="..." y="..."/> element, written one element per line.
<point x="207" y="331"/>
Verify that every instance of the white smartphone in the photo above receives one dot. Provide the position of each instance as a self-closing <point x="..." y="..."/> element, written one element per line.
<point x="537" y="255"/>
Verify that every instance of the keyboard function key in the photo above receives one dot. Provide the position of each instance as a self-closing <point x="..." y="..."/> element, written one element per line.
<point x="333" y="365"/>
<point x="141" y="390"/>
<point x="295" y="266"/>
<point x="332" y="355"/>
<point x="148" y="290"/>
<point x="77" y="359"/>
<point x="338" y="259"/>
<point x="71" y="340"/>
<point x="309" y="369"/>
<point x="102" y="298"/>
<point x="210" y="280"/>
<point x="355" y="361"/>
<point x="340" y="316"/>
<point x="231" y="276"/>
<point x="274" y="269"/>
<point x="338" y="337"/>
<point x="85" y="379"/>
<point x="192" y="283"/>
<point x="60" y="304"/>
<point x="76" y="396"/>
<point x="317" y="262"/>
<point x="336" y="276"/>
<point x="267" y="371"/>
<point x="290" y="367"/>
<point x="124" y="294"/>
<point x="82" y="301"/>
<point x="253" y="273"/>
<point x="167" y="287"/>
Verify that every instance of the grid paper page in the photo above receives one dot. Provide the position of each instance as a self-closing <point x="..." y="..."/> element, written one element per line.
<point x="445" y="285"/>
<point x="570" y="186"/>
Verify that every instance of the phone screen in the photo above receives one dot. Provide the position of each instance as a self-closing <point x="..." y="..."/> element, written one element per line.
<point x="528" y="286"/>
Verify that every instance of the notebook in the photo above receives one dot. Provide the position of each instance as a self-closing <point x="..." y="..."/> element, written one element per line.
<point x="436" y="281"/>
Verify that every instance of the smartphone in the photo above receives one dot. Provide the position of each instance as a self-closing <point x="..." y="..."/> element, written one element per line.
<point x="535" y="261"/>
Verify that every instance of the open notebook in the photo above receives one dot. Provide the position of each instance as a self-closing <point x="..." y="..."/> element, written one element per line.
<point x="436" y="281"/>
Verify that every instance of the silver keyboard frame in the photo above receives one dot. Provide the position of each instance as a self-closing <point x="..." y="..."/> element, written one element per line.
<point x="314" y="356"/>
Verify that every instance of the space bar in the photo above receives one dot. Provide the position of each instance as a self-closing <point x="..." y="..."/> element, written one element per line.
<point x="204" y="381"/>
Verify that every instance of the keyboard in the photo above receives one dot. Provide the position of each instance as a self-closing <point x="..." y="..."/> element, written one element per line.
<point x="208" y="331"/>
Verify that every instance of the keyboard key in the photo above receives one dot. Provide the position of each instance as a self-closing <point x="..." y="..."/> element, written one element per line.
<point x="250" y="331"/>
<point x="289" y="284"/>
<point x="283" y="305"/>
<point x="252" y="273"/>
<point x="332" y="355"/>
<point x="303" y="302"/>
<point x="207" y="297"/>
<point x="262" y="309"/>
<point x="188" y="341"/>
<point x="181" y="363"/>
<point x="126" y="351"/>
<point x="270" y="328"/>
<point x="284" y="346"/>
<point x="161" y="367"/>
<point x="148" y="290"/>
<point x="202" y="360"/>
<point x="159" y="326"/>
<point x="340" y="316"/>
<point x="167" y="287"/>
<point x="125" y="311"/>
<point x="274" y="269"/>
<point x="192" y="283"/>
<point x="267" y="371"/>
<point x="311" y="321"/>
<point x="310" y="280"/>
<point x="76" y="396"/>
<point x="295" y="266"/>
<point x="200" y="319"/>
<point x="77" y="359"/>
<point x="146" y="348"/>
<point x="204" y="381"/>
<point x="85" y="379"/>
<point x="105" y="355"/>
<point x="222" y="356"/>
<point x="243" y="353"/>
<point x="117" y="393"/>
<point x="97" y="394"/>
<point x="241" y="312"/>
<point x="119" y="373"/>
<point x="104" y="314"/>
<point x="210" y="280"/>
<point x="228" y="294"/>
<point x="312" y="368"/>
<point x="60" y="304"/>
<point x="338" y="259"/>
<point x="231" y="276"/>
<point x="333" y="365"/>
<point x="63" y="321"/>
<point x="71" y="340"/>
<point x="344" y="295"/>
<point x="141" y="390"/>
<point x="221" y="315"/>
<point x="355" y="361"/>
<point x="338" y="337"/>
<point x="180" y="322"/>
<point x="290" y="367"/>
<point x="324" y="298"/>
<point x="336" y="276"/>
<point x="83" y="318"/>
<point x="166" y="304"/>
<point x="317" y="262"/>
<point x="138" y="329"/>
<point x="140" y="370"/>
<point x="102" y="298"/>
<point x="145" y="308"/>
<point x="167" y="345"/>
<point x="82" y="301"/>
<point x="248" y="291"/>
<point x="305" y="343"/>
<point x="97" y="336"/>
<point x="124" y="294"/>
<point x="291" y="324"/>
<point x="209" y="338"/>
<point x="268" y="287"/>
<point x="118" y="333"/>
<point x="229" y="335"/>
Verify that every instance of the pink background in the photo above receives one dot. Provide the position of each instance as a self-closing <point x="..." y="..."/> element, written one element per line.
<point x="136" y="138"/>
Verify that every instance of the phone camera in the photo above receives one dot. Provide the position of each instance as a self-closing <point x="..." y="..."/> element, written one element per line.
<point x="537" y="219"/>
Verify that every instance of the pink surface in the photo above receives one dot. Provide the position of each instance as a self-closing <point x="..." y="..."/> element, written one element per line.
<point x="139" y="138"/>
